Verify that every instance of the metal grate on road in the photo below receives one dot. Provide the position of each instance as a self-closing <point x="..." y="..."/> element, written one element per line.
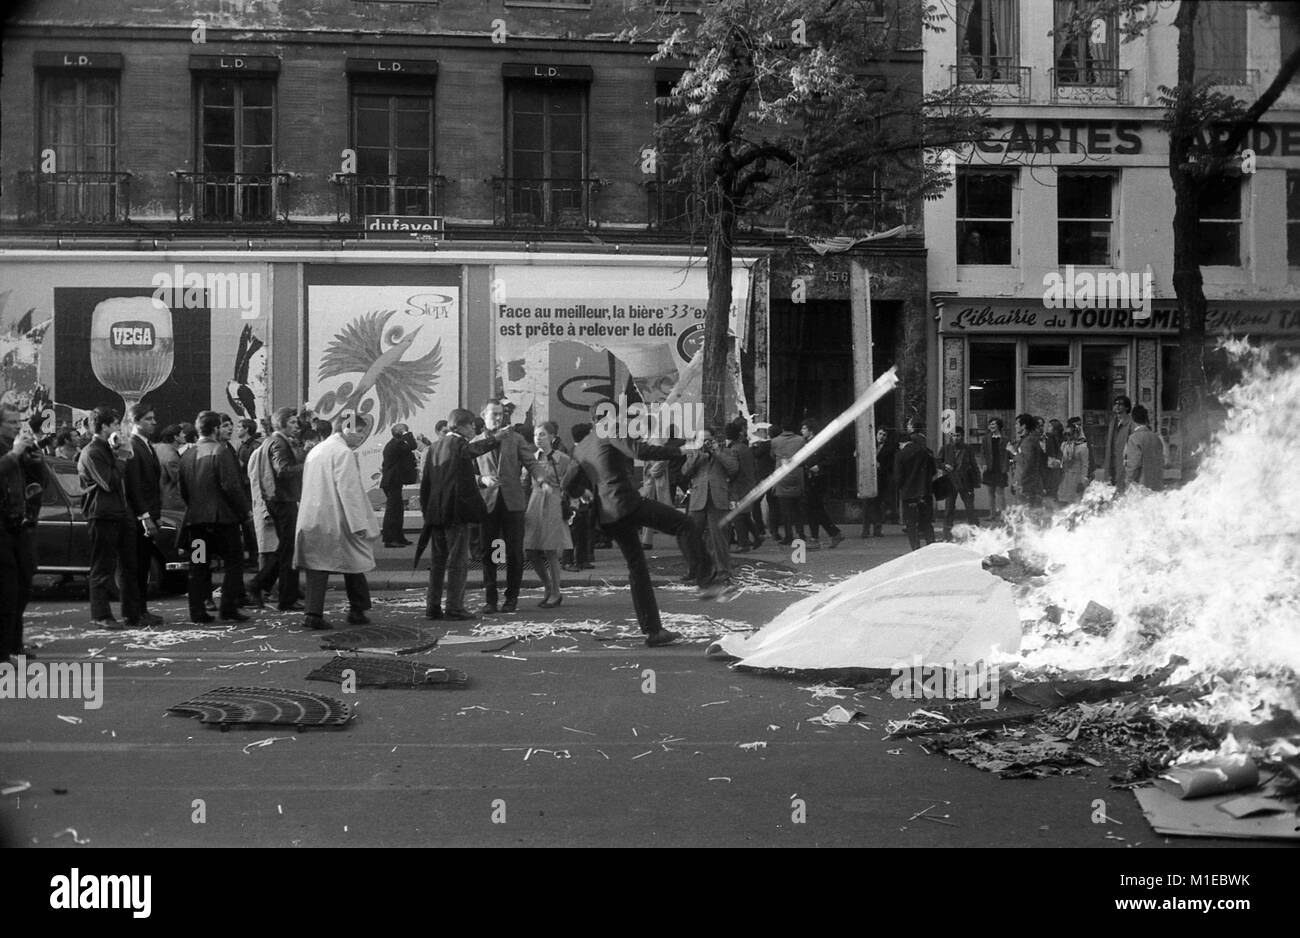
<point x="388" y="672"/>
<point x="226" y="706"/>
<point x="390" y="639"/>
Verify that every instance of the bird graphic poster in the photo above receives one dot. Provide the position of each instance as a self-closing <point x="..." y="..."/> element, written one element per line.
<point x="391" y="353"/>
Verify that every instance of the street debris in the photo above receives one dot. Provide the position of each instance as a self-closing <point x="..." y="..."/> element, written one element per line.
<point x="13" y="787"/>
<point x="759" y="744"/>
<point x="837" y="716"/>
<point x="267" y="742"/>
<point x="72" y="720"/>
<point x="76" y="838"/>
<point x="720" y="778"/>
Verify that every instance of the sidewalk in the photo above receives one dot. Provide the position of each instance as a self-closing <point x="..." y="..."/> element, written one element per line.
<point x="853" y="555"/>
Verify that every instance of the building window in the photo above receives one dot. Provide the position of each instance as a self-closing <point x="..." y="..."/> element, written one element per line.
<point x="984" y="214"/>
<point x="392" y="133"/>
<point x="1219" y="39"/>
<point x="673" y="205"/>
<point x="1089" y="54"/>
<point x="546" y="153"/>
<point x="992" y="391"/>
<point x="1084" y="212"/>
<point x="986" y="40"/>
<point x="1293" y="218"/>
<point x="1220" y="222"/>
<point x="78" y="121"/>
<point x="236" y="130"/>
<point x="1047" y="353"/>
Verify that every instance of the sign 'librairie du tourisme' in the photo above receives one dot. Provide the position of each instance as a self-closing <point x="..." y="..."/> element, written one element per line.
<point x="981" y="316"/>
<point x="416" y="227"/>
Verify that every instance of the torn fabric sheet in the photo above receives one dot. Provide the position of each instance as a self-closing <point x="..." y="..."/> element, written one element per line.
<point x="937" y="603"/>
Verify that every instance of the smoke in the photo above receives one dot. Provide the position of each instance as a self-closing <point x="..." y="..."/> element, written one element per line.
<point x="1208" y="573"/>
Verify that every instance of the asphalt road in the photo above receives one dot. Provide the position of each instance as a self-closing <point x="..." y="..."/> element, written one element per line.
<point x="554" y="741"/>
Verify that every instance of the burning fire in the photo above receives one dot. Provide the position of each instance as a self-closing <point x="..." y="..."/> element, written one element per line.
<point x="1208" y="573"/>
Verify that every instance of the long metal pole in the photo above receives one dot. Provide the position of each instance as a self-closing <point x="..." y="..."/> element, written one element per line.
<point x="882" y="386"/>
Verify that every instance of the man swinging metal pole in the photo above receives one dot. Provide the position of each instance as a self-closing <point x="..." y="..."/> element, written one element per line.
<point x="882" y="386"/>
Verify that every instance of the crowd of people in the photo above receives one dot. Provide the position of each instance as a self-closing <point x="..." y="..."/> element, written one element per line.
<point x="288" y="498"/>
<point x="1045" y="465"/>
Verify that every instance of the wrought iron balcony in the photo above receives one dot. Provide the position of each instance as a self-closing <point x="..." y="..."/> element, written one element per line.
<point x="545" y="202"/>
<point x="672" y="208"/>
<point x="1229" y="77"/>
<point x="79" y="197"/>
<point x="854" y="212"/>
<point x="231" y="198"/>
<point x="1089" y="84"/>
<point x="997" y="74"/>
<point x="361" y="194"/>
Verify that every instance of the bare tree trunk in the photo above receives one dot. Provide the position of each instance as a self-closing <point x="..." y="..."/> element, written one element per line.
<point x="721" y="215"/>
<point x="1193" y="378"/>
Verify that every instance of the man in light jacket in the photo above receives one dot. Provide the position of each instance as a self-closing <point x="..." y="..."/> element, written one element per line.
<point x="1144" y="454"/>
<point x="336" y="525"/>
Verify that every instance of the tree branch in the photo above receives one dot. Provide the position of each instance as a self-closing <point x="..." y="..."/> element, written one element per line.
<point x="1243" y="124"/>
<point x="754" y="152"/>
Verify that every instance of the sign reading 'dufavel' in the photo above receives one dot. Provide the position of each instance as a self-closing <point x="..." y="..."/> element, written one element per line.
<point x="415" y="227"/>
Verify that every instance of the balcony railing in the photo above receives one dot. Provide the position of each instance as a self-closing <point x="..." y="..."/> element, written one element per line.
<point x="1089" y="84"/>
<point x="1230" y="77"/>
<point x="361" y="194"/>
<point x="997" y="74"/>
<point x="856" y="213"/>
<point x="231" y="198"/>
<point x="545" y="203"/>
<point x="671" y="208"/>
<point x="80" y="198"/>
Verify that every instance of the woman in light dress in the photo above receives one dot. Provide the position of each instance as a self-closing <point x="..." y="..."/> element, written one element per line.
<point x="546" y="531"/>
<point x="1075" y="463"/>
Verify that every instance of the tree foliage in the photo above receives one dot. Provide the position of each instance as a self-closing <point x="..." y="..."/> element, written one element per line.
<point x="806" y="115"/>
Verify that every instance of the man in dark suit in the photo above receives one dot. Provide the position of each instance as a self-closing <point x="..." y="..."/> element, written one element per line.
<point x="102" y="470"/>
<point x="747" y="537"/>
<point x="450" y="497"/>
<point x="286" y="468"/>
<point x="23" y="476"/>
<point x="711" y="467"/>
<point x="764" y="466"/>
<point x="215" y="507"/>
<point x="603" y="464"/>
<point x="503" y="493"/>
<point x="397" y="469"/>
<point x="914" y="473"/>
<point x="1117" y="433"/>
<point x="144" y="497"/>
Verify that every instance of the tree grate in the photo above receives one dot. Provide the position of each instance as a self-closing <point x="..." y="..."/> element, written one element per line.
<point x="392" y="639"/>
<point x="388" y="672"/>
<point x="225" y="706"/>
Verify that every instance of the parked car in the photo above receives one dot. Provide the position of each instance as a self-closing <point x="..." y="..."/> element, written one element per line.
<point x="63" y="536"/>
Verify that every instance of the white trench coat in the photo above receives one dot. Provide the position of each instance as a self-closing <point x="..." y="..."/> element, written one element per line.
<point x="336" y="525"/>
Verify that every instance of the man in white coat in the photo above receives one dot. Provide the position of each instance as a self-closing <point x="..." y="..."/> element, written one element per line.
<point x="336" y="524"/>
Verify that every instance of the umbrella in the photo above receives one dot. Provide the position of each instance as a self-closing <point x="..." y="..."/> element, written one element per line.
<point x="425" y="534"/>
